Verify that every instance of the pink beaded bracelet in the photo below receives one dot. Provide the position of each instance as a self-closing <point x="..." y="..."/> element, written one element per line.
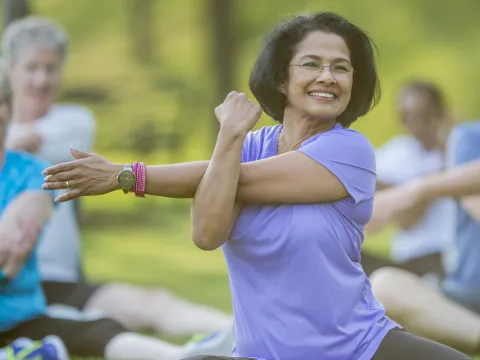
<point x="139" y="170"/>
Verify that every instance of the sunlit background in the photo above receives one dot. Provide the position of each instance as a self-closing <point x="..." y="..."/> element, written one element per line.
<point x="153" y="71"/>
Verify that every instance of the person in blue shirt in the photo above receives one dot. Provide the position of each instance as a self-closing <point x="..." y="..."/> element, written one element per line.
<point x="24" y="210"/>
<point x="20" y="293"/>
<point x="450" y="314"/>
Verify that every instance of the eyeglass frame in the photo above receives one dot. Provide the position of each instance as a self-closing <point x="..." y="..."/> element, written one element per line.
<point x="321" y="67"/>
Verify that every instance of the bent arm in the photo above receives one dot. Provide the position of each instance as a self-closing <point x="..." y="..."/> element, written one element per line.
<point x="20" y="225"/>
<point x="32" y="206"/>
<point x="214" y="209"/>
<point x="288" y="178"/>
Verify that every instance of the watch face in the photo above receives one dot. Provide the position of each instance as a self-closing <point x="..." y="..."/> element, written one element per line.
<point x="126" y="178"/>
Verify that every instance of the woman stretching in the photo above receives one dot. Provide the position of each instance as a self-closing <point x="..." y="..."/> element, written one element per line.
<point x="288" y="203"/>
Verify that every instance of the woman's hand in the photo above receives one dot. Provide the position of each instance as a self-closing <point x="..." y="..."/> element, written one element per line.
<point x="238" y="114"/>
<point x="90" y="174"/>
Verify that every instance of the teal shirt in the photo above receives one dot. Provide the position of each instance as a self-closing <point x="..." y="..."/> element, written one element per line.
<point x="21" y="298"/>
<point x="464" y="269"/>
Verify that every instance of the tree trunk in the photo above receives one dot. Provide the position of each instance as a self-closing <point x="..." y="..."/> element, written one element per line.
<point x="223" y="54"/>
<point x="15" y="9"/>
<point x="141" y="17"/>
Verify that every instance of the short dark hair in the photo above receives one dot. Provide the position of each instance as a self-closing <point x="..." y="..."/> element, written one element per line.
<point x="270" y="69"/>
<point x="432" y="93"/>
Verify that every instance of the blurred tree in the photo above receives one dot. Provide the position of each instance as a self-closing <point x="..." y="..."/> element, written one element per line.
<point x="223" y="54"/>
<point x="141" y="18"/>
<point x="15" y="9"/>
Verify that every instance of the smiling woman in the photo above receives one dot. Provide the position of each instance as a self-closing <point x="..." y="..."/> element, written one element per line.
<point x="288" y="203"/>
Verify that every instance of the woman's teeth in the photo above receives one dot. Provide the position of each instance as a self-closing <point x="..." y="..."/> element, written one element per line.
<point x="321" y="95"/>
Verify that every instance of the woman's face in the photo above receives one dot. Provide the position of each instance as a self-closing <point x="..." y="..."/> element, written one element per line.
<point x="36" y="75"/>
<point x="420" y="118"/>
<point x="320" y="77"/>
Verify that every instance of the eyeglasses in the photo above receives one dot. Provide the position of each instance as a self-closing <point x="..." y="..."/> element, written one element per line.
<point x="337" y="70"/>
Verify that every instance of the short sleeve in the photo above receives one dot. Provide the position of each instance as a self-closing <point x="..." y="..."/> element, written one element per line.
<point x="34" y="177"/>
<point x="349" y="156"/>
<point x="464" y="144"/>
<point x="248" y="147"/>
<point x="260" y="144"/>
<point x="66" y="126"/>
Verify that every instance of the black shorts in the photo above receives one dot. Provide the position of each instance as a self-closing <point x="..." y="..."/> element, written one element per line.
<point x="72" y="294"/>
<point x="397" y="345"/>
<point x="428" y="264"/>
<point x="82" y="338"/>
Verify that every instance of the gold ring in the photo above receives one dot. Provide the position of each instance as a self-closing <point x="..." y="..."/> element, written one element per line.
<point x="67" y="185"/>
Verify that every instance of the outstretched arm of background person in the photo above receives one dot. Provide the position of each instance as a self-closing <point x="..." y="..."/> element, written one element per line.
<point x="20" y="224"/>
<point x="392" y="203"/>
<point x="408" y="220"/>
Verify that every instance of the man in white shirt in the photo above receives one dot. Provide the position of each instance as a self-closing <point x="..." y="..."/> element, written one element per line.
<point x="418" y="242"/>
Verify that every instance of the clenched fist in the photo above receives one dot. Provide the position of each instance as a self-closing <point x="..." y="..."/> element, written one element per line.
<point x="238" y="113"/>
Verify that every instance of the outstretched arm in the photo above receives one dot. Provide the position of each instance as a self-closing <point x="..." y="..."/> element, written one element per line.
<point x="457" y="182"/>
<point x="289" y="178"/>
<point x="399" y="201"/>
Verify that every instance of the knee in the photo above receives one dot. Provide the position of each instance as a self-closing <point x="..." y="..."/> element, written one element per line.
<point x="389" y="285"/>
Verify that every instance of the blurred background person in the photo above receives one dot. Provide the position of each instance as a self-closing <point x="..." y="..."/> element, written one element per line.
<point x="51" y="347"/>
<point x="35" y="51"/>
<point x="451" y="314"/>
<point x="421" y="237"/>
<point x="27" y="329"/>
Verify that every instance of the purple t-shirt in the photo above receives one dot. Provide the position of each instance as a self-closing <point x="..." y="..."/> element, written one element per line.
<point x="298" y="289"/>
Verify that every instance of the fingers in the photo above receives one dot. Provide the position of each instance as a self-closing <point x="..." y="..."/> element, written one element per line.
<point x="70" y="195"/>
<point x="79" y="154"/>
<point x="67" y="166"/>
<point x="62" y="177"/>
<point x="231" y="94"/>
<point x="58" y="185"/>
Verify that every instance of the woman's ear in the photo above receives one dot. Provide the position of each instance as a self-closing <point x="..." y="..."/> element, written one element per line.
<point x="281" y="88"/>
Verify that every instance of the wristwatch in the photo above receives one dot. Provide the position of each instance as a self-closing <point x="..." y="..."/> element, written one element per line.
<point x="126" y="178"/>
